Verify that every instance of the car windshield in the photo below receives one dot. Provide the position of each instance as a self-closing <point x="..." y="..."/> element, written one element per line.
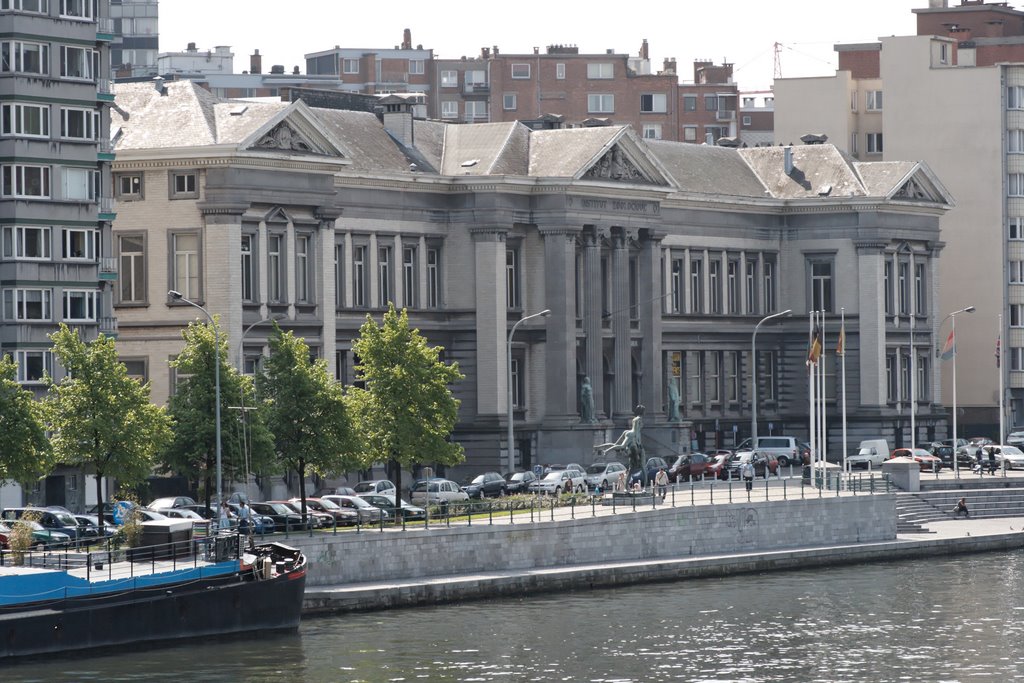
<point x="478" y="479"/>
<point x="515" y="476"/>
<point x="364" y="486"/>
<point x="280" y="508"/>
<point x="597" y="468"/>
<point x="329" y="504"/>
<point x="1011" y="450"/>
<point x="67" y="520"/>
<point x="553" y="476"/>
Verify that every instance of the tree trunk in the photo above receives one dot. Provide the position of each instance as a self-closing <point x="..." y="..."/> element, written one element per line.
<point x="396" y="468"/>
<point x="302" y="488"/>
<point x="99" y="501"/>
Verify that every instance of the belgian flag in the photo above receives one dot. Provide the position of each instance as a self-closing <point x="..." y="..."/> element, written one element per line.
<point x="814" y="350"/>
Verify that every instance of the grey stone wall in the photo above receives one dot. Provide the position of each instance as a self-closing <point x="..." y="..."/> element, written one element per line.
<point x="643" y="535"/>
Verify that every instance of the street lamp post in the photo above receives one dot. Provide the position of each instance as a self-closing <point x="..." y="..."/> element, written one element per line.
<point x="177" y="296"/>
<point x="952" y="317"/>
<point x="511" y="443"/>
<point x="241" y="387"/>
<point x="753" y="375"/>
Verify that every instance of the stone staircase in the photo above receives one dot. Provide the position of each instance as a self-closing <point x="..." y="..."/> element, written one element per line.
<point x="912" y="511"/>
<point x="915" y="509"/>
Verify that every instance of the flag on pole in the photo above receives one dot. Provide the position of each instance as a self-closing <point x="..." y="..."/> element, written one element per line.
<point x="998" y="343"/>
<point x="814" y="351"/>
<point x="841" y="344"/>
<point x="949" y="350"/>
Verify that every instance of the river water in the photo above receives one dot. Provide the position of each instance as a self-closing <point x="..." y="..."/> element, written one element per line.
<point x="953" y="619"/>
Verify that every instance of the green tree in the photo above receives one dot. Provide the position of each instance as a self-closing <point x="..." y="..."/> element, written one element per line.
<point x="25" y="453"/>
<point x="407" y="412"/>
<point x="192" y="453"/>
<point x="305" y="410"/>
<point x="99" y="416"/>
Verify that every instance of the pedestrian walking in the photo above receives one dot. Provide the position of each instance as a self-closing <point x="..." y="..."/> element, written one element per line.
<point x="961" y="509"/>
<point x="661" y="481"/>
<point x="244" y="518"/>
<point x="747" y="473"/>
<point x="992" y="460"/>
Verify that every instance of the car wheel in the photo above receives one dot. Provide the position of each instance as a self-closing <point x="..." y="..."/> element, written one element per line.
<point x="783" y="461"/>
<point x="604" y="485"/>
<point x="503" y="492"/>
<point x="558" y="490"/>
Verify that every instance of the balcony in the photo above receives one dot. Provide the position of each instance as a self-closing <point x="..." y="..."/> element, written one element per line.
<point x="108" y="268"/>
<point x="104" y="29"/>
<point x="106" y="150"/>
<point x="725" y="115"/>
<point x="106" y="205"/>
<point x="108" y="326"/>
<point x="477" y="88"/>
<point x="103" y="91"/>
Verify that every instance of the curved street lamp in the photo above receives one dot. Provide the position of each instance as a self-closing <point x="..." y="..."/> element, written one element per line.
<point x="952" y="317"/>
<point x="511" y="443"/>
<point x="177" y="296"/>
<point x="753" y="374"/>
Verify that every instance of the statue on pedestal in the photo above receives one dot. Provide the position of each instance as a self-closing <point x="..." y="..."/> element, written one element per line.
<point x="587" y="402"/>
<point x="673" y="400"/>
<point x="629" y="442"/>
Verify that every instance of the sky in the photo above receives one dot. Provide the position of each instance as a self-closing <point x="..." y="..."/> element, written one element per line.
<point x="742" y="32"/>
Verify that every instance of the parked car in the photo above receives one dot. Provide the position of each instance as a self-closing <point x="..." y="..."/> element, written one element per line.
<point x="519" y="482"/>
<point x="765" y="464"/>
<point x="434" y="491"/>
<point x="406" y="509"/>
<point x="368" y="514"/>
<point x="181" y="513"/>
<point x="786" y="449"/>
<point x="927" y="461"/>
<point x="688" y="467"/>
<point x="339" y="515"/>
<point x="42" y="538"/>
<point x="1015" y="438"/>
<point x="1012" y="455"/>
<point x="484" y="485"/>
<point x="604" y="474"/>
<point x="718" y="467"/>
<point x="171" y="502"/>
<point x="649" y="471"/>
<point x="261" y="524"/>
<point x="89" y="527"/>
<point x="559" y="481"/>
<point x="285" y="519"/>
<point x="870" y="453"/>
<point x="51" y="520"/>
<point x="335" y="490"/>
<point x="315" y="519"/>
<point x="375" y="486"/>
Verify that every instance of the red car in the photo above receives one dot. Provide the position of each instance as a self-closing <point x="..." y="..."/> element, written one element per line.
<point x="927" y="461"/>
<point x="718" y="467"/>
<point x="688" y="467"/>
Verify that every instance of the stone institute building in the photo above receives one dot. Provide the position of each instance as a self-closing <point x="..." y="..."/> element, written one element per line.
<point x="656" y="260"/>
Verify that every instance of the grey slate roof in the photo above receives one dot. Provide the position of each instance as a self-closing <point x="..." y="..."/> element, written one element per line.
<point x="481" y="148"/>
<point x="882" y="177"/>
<point x="565" y="153"/>
<point x="703" y="169"/>
<point x="818" y="170"/>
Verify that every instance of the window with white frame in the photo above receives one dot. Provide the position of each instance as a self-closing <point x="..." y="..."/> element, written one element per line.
<point x="750" y="281"/>
<point x="78" y="9"/>
<point x="768" y="281"/>
<point x="185" y="264"/>
<point x="689" y="133"/>
<point x="24" y="180"/>
<point x="696" y="383"/>
<point x="654" y="103"/>
<point x="25" y="120"/>
<point x="79" y="124"/>
<point x="476" y="109"/>
<point x="874" y="143"/>
<point x="383" y="276"/>
<point x="715" y="286"/>
<point x="475" y="77"/>
<point x="80" y="244"/>
<point x="129" y="186"/>
<point x="715" y="364"/>
<point x="854" y="144"/>
<point x="601" y="103"/>
<point x="24" y="304"/>
<point x="652" y="131"/>
<point x="920" y="293"/>
<point x="678" y="286"/>
<point x="821" y="285"/>
<point x="26" y="243"/>
<point x="768" y="376"/>
<point x="184" y="184"/>
<point x="80" y="184"/>
<point x="517" y="384"/>
<point x="131" y="276"/>
<point x="904" y="376"/>
<point x="449" y="109"/>
<point x="1016" y="358"/>
<point x="602" y="70"/>
<point x="732" y="379"/>
<point x="922" y="378"/>
<point x="1015" y="184"/>
<point x="409" y="276"/>
<point x="509" y="101"/>
<point x="891" y="379"/>
<point x="1015" y="141"/>
<point x="697" y="285"/>
<point x="1015" y="97"/>
<point x="887" y="286"/>
<point x="560" y="71"/>
<point x="433" y="278"/>
<point x="520" y="71"/>
<point x="902" y="285"/>
<point x="302" y="272"/>
<point x="1016" y="228"/>
<point x="732" y="285"/>
<point x="746" y="120"/>
<point x="33" y="6"/>
<point x="248" y="270"/>
<point x="275" y="268"/>
<point x="349" y="66"/>
<point x="1016" y="315"/>
<point x="943" y="53"/>
<point x="874" y="100"/>
<point x="33" y="366"/>
<point x="359" y="267"/>
<point x="416" y="66"/>
<point x="512" y="278"/>
<point x="78" y="62"/>
<point x="449" y="79"/>
<point x="19" y="56"/>
<point x="80" y="305"/>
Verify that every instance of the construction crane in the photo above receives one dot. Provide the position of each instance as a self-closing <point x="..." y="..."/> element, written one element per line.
<point x="777" y="48"/>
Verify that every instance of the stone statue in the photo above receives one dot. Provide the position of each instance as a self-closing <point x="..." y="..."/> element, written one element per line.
<point x="587" y="402"/>
<point x="673" y="400"/>
<point x="630" y="441"/>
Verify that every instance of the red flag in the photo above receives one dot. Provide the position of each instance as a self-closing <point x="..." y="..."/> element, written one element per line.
<point x="949" y="349"/>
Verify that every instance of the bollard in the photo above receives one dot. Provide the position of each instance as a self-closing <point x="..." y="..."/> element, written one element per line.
<point x="593" y="506"/>
<point x="511" y="517"/>
<point x="730" y="489"/>
<point x="532" y="501"/>
<point x="784" y="490"/>
<point x="673" y="496"/>
<point x="572" y="507"/>
<point x="553" y="508"/>
<point x="490" y="513"/>
<point x="692" y="500"/>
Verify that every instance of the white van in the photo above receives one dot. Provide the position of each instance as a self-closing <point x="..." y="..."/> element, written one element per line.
<point x="872" y="452"/>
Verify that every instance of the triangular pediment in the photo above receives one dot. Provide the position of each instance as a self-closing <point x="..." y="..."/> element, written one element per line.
<point x="616" y="165"/>
<point x="625" y="159"/>
<point x="284" y="137"/>
<point x="918" y="188"/>
<point x="294" y="130"/>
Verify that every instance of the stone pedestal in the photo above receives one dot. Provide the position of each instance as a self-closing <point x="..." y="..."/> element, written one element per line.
<point x="904" y="472"/>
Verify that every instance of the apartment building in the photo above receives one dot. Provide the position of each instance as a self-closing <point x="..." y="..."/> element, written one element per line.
<point x="403" y="69"/>
<point x="56" y="203"/>
<point x="951" y="95"/>
<point x="133" y="52"/>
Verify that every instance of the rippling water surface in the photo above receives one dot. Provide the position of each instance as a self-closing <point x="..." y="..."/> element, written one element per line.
<point x="957" y="619"/>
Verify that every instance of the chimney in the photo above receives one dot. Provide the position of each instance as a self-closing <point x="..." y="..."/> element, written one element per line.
<point x="191" y="47"/>
<point x="255" y="62"/>
<point x="670" y="65"/>
<point x="787" y="159"/>
<point x="277" y="69"/>
<point x="643" y="50"/>
<point x="406" y="39"/>
<point x="295" y="71"/>
<point x="938" y="4"/>
<point x="494" y="49"/>
<point x="536" y="50"/>
<point x="158" y="83"/>
<point x="397" y="120"/>
<point x="485" y="52"/>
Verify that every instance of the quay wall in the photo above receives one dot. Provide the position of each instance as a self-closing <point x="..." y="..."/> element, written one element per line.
<point x="644" y="535"/>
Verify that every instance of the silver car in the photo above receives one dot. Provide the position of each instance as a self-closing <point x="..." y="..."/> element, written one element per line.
<point x="604" y="474"/>
<point x="558" y="482"/>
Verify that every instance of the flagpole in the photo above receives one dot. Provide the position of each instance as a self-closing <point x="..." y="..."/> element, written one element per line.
<point x="842" y="356"/>
<point x="823" y="425"/>
<point x="810" y="396"/>
<point x="913" y="367"/>
<point x="1002" y="390"/>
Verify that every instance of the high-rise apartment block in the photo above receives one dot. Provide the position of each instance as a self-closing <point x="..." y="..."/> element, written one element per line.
<point x="134" y="49"/>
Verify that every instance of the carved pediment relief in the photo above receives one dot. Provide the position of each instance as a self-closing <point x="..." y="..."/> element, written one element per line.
<point x="615" y="165"/>
<point x="919" y="190"/>
<point x="284" y="137"/>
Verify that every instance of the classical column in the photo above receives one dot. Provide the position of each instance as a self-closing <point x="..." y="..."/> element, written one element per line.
<point x="593" y="363"/>
<point x="559" y="295"/>
<point x="489" y="243"/>
<point x="650" y="290"/>
<point x="325" y="283"/>
<point x="222" y="264"/>
<point x="871" y="322"/>
<point x="622" y="397"/>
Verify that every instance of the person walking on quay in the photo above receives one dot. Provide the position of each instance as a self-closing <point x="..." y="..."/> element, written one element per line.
<point x="661" y="481"/>
<point x="244" y="518"/>
<point x="961" y="509"/>
<point x="992" y="460"/>
<point x="747" y="473"/>
<point x="979" y="456"/>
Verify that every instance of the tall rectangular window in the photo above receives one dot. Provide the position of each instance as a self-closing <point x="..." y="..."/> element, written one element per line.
<point x="80" y="184"/>
<point x="697" y="285"/>
<point x="512" y="278"/>
<point x="517" y="384"/>
<point x="1016" y="267"/>
<point x="1016" y="228"/>
<point x="887" y="286"/>
<point x="23" y="180"/>
<point x="715" y="376"/>
<point x="409" y="277"/>
<point x="302" y="273"/>
<point x="34" y="366"/>
<point x="339" y="275"/>
<point x="359" y="276"/>
<point x="732" y="279"/>
<point x="920" y="294"/>
<point x="80" y="305"/>
<point x="891" y="379"/>
<point x="1015" y="140"/>
<point x="696" y="383"/>
<point x="131" y="277"/>
<point x="905" y="377"/>
<point x="560" y="71"/>
<point x="26" y="120"/>
<point x="26" y="243"/>
<point x="922" y="378"/>
<point x="275" y="269"/>
<point x="1015" y="97"/>
<point x="248" y="280"/>
<point x="903" y="287"/>
<point x="27" y="304"/>
<point x="715" y="285"/>
<point x="821" y="286"/>
<point x="1016" y="315"/>
<point x="769" y="286"/>
<point x="674" y="362"/>
<point x="751" y="283"/>
<point x="80" y="244"/>
<point x="678" y="285"/>
<point x="433" y="278"/>
<point x="768" y="377"/>
<point x="732" y="384"/>
<point x="185" y="264"/>
<point x="383" y="276"/>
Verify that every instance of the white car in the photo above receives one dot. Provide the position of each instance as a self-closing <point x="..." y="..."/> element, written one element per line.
<point x="434" y="491"/>
<point x="381" y="486"/>
<point x="558" y="481"/>
<point x="604" y="474"/>
<point x="1015" y="439"/>
<point x="1012" y="455"/>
